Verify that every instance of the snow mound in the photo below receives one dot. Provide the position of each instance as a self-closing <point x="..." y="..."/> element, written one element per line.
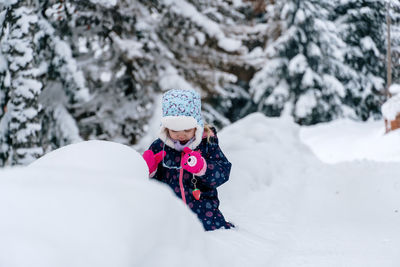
<point x="258" y="148"/>
<point x="70" y="209"/>
<point x="95" y="155"/>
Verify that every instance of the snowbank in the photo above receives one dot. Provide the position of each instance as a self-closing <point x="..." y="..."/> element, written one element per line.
<point x="294" y="210"/>
<point x="91" y="204"/>
<point x="259" y="149"/>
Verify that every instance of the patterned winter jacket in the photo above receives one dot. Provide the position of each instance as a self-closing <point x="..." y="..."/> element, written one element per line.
<point x="217" y="173"/>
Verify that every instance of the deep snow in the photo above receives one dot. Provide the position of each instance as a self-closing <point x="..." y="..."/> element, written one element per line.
<point x="91" y="204"/>
<point x="347" y="140"/>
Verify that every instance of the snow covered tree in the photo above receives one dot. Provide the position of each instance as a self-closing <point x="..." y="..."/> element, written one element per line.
<point x="4" y="86"/>
<point x="300" y="75"/>
<point x="76" y="70"/>
<point x="109" y="40"/>
<point x="207" y="47"/>
<point x="326" y="62"/>
<point x="124" y="53"/>
<point x="394" y="13"/>
<point x="361" y="25"/>
<point x="21" y="83"/>
<point x="38" y="77"/>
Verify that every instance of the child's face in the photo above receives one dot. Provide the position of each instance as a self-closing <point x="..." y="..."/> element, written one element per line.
<point x="182" y="136"/>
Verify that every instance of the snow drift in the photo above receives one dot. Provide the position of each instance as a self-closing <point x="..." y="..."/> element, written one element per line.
<point x="91" y="204"/>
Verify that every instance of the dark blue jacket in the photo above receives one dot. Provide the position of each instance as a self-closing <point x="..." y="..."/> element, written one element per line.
<point x="217" y="173"/>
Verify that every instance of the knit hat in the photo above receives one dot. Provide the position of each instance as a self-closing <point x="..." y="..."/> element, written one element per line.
<point x="181" y="110"/>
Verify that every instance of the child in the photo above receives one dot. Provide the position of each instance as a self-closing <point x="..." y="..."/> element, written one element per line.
<point x="186" y="156"/>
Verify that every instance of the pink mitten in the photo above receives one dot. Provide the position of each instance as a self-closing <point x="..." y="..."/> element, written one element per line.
<point x="193" y="162"/>
<point x="153" y="160"/>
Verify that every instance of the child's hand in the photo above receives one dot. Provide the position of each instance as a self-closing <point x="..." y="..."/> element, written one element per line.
<point x="153" y="160"/>
<point x="193" y="162"/>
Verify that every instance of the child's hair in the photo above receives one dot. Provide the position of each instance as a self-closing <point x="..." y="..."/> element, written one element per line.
<point x="208" y="131"/>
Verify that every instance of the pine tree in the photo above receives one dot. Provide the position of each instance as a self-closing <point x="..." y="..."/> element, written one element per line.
<point x="117" y="60"/>
<point x="21" y="40"/>
<point x="300" y="75"/>
<point x="394" y="13"/>
<point x="206" y="53"/>
<point x="361" y="25"/>
<point x="39" y="78"/>
<point x="4" y="86"/>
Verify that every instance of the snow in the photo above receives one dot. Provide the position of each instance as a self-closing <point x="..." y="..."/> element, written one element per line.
<point x="70" y="69"/>
<point x="3" y="63"/>
<point x="91" y="204"/>
<point x="266" y="79"/>
<point x="25" y="19"/>
<point x="105" y="76"/>
<point x="28" y="155"/>
<point x="4" y="121"/>
<point x="31" y="129"/>
<point x="306" y="103"/>
<point x="105" y="3"/>
<point x="82" y="45"/>
<point x="30" y="113"/>
<point x="376" y="81"/>
<point x="153" y="126"/>
<point x="334" y="85"/>
<point x="171" y="79"/>
<point x="298" y="64"/>
<point x="132" y="48"/>
<point x="368" y="44"/>
<point x="300" y="17"/>
<point x="69" y="131"/>
<point x="201" y="38"/>
<point x="7" y="2"/>
<point x="280" y="93"/>
<point x="346" y="140"/>
<point x="394" y="89"/>
<point x="391" y="108"/>
<point x="256" y="57"/>
<point x="187" y="10"/>
<point x="309" y="78"/>
<point x="314" y="50"/>
<point x="27" y="88"/>
<point x="229" y="45"/>
<point x="26" y="54"/>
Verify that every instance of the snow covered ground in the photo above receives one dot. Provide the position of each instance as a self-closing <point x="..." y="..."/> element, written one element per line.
<point x="347" y="140"/>
<point x="90" y="204"/>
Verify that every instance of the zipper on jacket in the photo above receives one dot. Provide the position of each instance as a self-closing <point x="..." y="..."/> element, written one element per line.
<point x="181" y="182"/>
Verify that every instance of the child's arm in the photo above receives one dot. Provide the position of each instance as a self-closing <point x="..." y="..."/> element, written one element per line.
<point x="153" y="158"/>
<point x="218" y="167"/>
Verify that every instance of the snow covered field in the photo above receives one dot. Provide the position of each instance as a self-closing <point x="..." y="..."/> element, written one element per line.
<point x="346" y="140"/>
<point x="90" y="204"/>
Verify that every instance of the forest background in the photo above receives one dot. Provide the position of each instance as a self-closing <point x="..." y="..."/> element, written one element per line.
<point x="79" y="70"/>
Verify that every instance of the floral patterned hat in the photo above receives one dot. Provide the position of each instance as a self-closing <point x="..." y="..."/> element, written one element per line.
<point x="181" y="110"/>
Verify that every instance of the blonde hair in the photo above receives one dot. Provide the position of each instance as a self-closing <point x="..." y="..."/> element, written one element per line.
<point x="208" y="131"/>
